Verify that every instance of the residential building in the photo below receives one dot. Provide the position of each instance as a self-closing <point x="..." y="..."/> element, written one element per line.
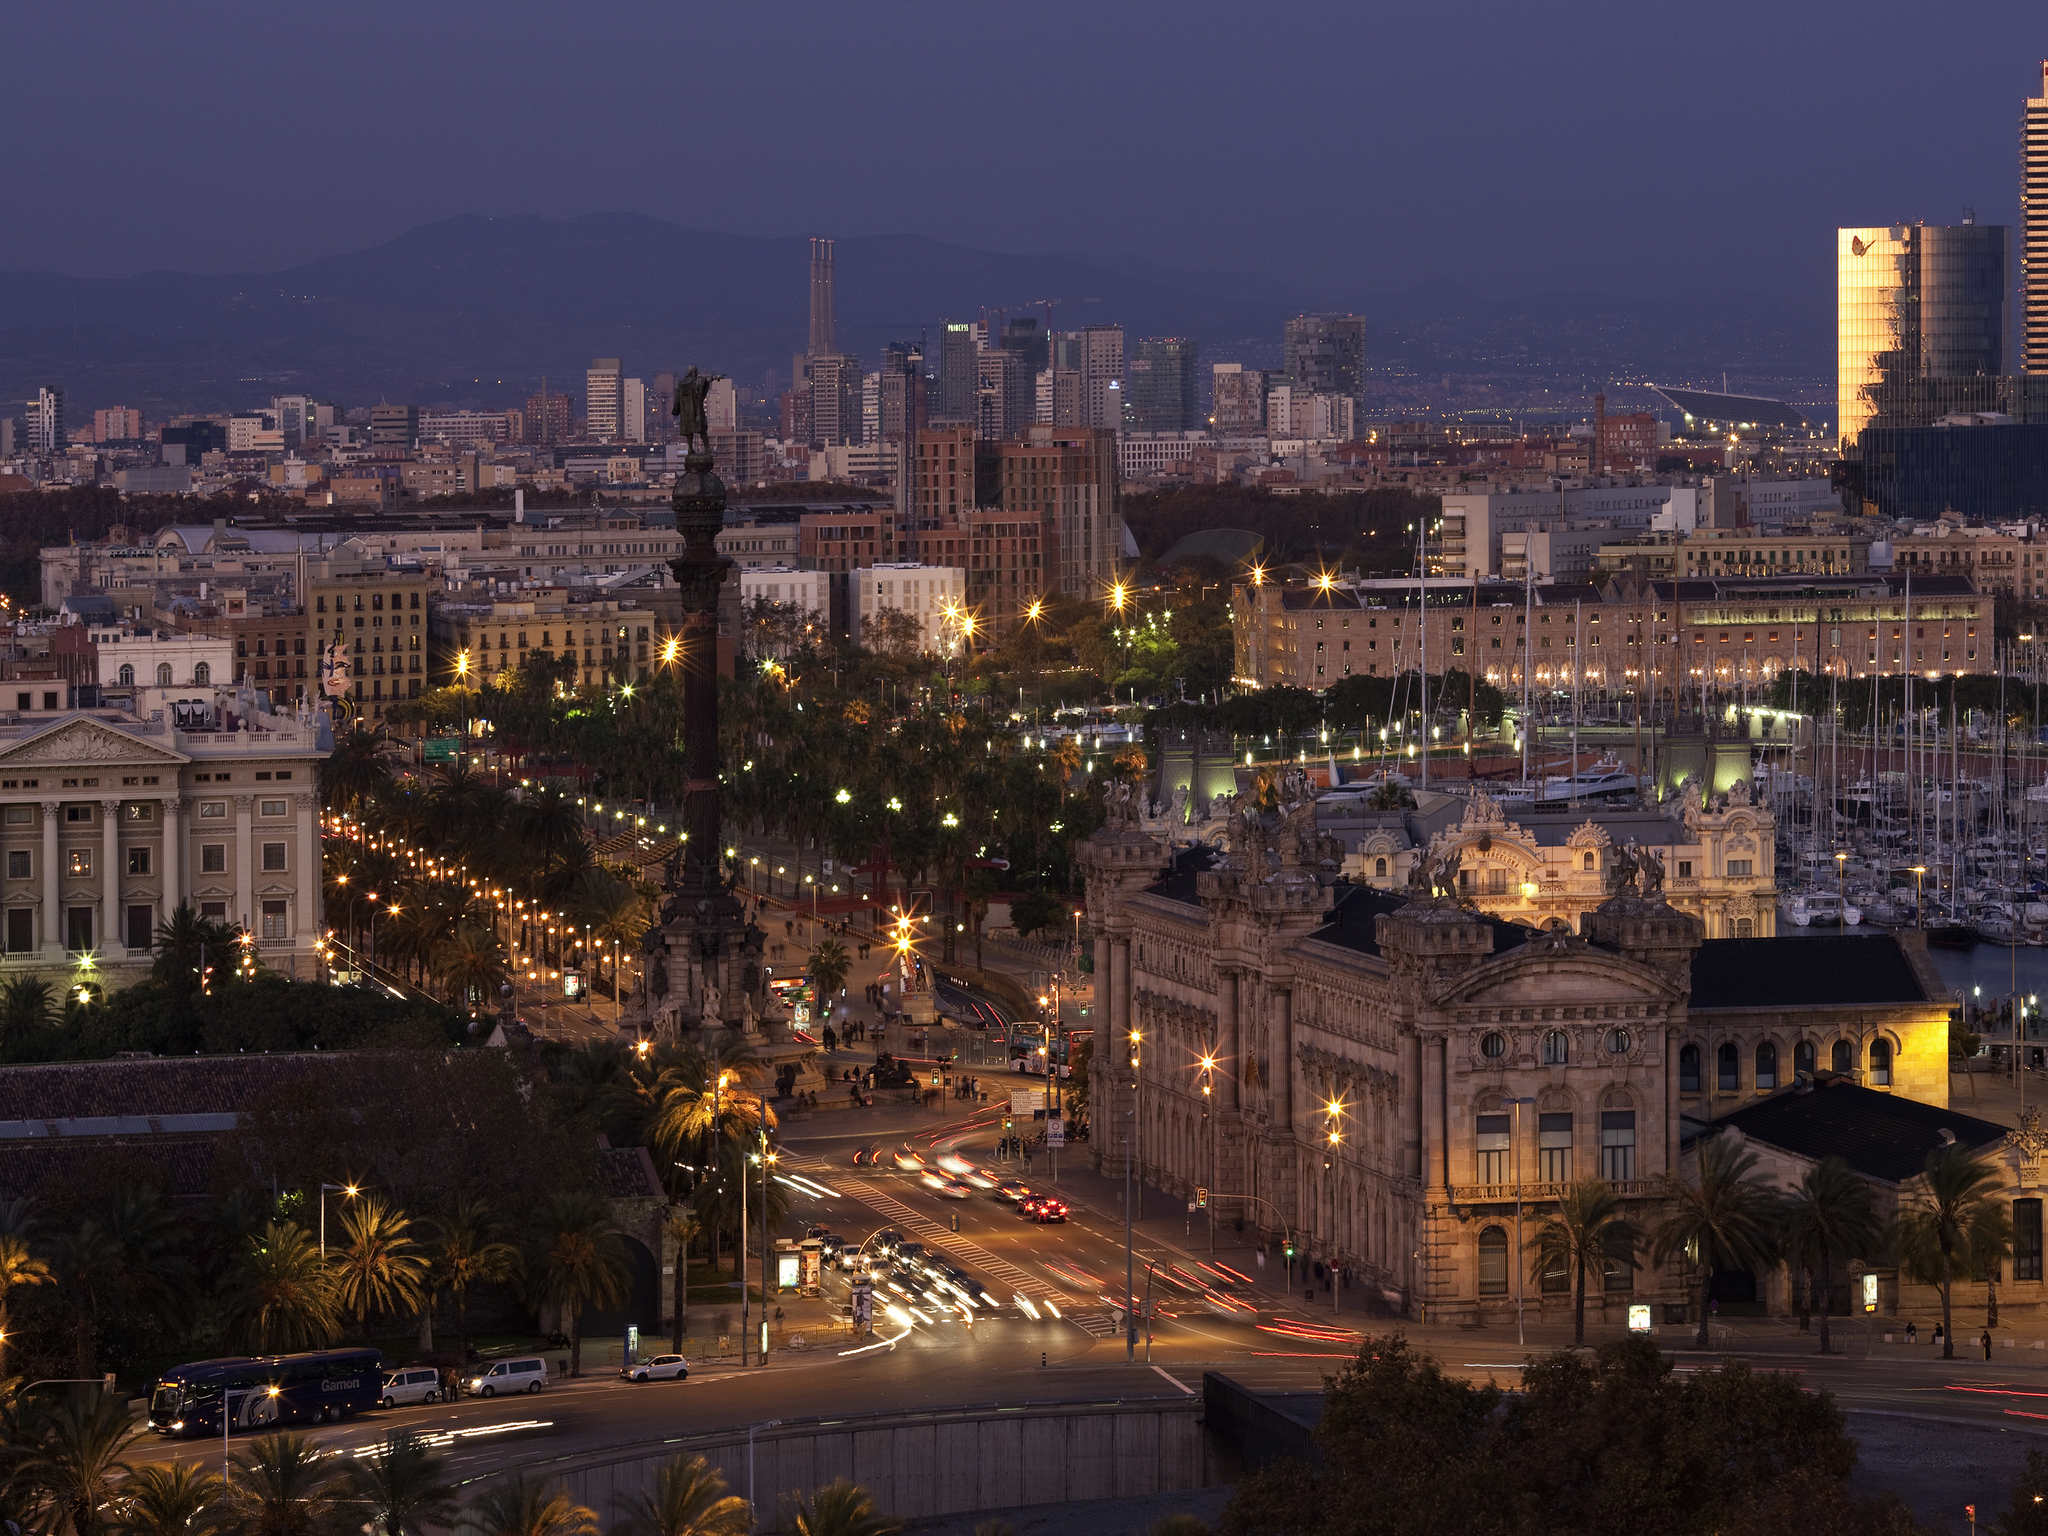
<point x="2010" y="561"/>
<point x="762" y="545"/>
<point x="47" y="436"/>
<point x="633" y="411"/>
<point x="117" y="424"/>
<point x="1325" y="354"/>
<point x="808" y="592"/>
<point x="547" y="418"/>
<point x="742" y="456"/>
<point x="2034" y="231"/>
<point x="602" y="400"/>
<point x="1403" y="1082"/>
<point x="1623" y="442"/>
<point x="468" y="429"/>
<point x="950" y="477"/>
<point x="394" y="426"/>
<point x="1004" y="401"/>
<point x="1237" y="401"/>
<point x="1067" y="479"/>
<point x="377" y="612"/>
<point x="1753" y="552"/>
<point x="1921" y="322"/>
<point x="932" y="595"/>
<point x="1153" y="455"/>
<point x="1159" y="386"/>
<point x="1003" y="555"/>
<point x="109" y="822"/>
<point x="834" y="383"/>
<point x="1296" y="412"/>
<point x="608" y="640"/>
<point x="1687" y="634"/>
<point x="1096" y="355"/>
<point x="1473" y="521"/>
<point x="846" y="539"/>
<point x="901" y="401"/>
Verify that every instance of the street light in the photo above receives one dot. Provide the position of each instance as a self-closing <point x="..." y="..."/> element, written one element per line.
<point x="1841" y="886"/>
<point x="350" y="1190"/>
<point x="1130" y="1159"/>
<point x="1919" y="873"/>
<point x="1515" y="1172"/>
<point x="1208" y="1069"/>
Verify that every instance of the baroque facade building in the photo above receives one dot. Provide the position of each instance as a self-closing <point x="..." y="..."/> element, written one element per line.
<point x="1395" y="1071"/>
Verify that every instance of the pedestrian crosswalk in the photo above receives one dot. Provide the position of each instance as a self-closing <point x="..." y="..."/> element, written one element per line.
<point x="1097" y="1325"/>
<point x="1000" y="1273"/>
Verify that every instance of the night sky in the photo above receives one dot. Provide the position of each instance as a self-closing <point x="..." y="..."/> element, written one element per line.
<point x="1355" y="148"/>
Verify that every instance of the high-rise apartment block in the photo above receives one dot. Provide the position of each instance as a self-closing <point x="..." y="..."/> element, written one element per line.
<point x="900" y="391"/>
<point x="602" y="398"/>
<point x="1096" y="357"/>
<point x="1003" y="397"/>
<point x="835" y="399"/>
<point x="547" y="417"/>
<point x="394" y="427"/>
<point x="117" y="424"/>
<point x="1159" y="386"/>
<point x="46" y="433"/>
<point x="1067" y="477"/>
<point x="1237" y="400"/>
<point x="2034" y="231"/>
<point x="1920" y="324"/>
<point x="633" y="411"/>
<point x="944" y="486"/>
<point x="1325" y="354"/>
<point x="959" y="381"/>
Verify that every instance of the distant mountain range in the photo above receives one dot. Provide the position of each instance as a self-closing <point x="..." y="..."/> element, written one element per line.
<point x="475" y="310"/>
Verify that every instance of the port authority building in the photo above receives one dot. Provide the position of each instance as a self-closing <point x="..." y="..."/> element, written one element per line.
<point x="1395" y="1068"/>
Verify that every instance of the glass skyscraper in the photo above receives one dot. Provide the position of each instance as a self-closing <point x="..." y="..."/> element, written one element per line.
<point x="1159" y="386"/>
<point x="1921" y="323"/>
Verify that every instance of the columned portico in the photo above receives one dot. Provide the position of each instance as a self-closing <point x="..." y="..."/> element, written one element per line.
<point x="245" y="864"/>
<point x="51" y="929"/>
<point x="173" y="856"/>
<point x="110" y="940"/>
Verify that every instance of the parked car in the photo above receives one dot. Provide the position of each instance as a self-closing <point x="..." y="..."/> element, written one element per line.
<point x="411" y="1384"/>
<point x="523" y="1373"/>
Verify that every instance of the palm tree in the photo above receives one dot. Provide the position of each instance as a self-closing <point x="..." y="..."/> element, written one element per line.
<point x="1952" y="1226"/>
<point x="281" y="1488"/>
<point x="78" y="1463"/>
<point x="582" y="1264"/>
<point x="841" y="1508"/>
<point x="1586" y="1231"/>
<point x="185" y="944"/>
<point x="470" y="965"/>
<point x="25" y="1007"/>
<point x="690" y="1498"/>
<point x="171" y="1499"/>
<point x="355" y="773"/>
<point x="827" y="968"/>
<point x="522" y="1506"/>
<point x="683" y="1226"/>
<point x="403" y="1485"/>
<point x="467" y="1250"/>
<point x="380" y="1268"/>
<point x="1720" y="1221"/>
<point x="1830" y="1217"/>
<point x="18" y="1267"/>
<point x="283" y="1296"/>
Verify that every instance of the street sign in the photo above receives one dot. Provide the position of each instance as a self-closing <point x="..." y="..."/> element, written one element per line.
<point x="442" y="749"/>
<point x="1024" y="1101"/>
<point x="1055" y="1132"/>
<point x="1191" y="1207"/>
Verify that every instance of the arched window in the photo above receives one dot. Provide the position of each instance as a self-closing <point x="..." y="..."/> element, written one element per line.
<point x="163" y="674"/>
<point x="1804" y="1058"/>
<point x="1766" y="1067"/>
<point x="1557" y="1048"/>
<point x="1618" y="1042"/>
<point x="1880" y="1063"/>
<point x="1589" y="862"/>
<point x="202" y="674"/>
<point x="1688" y="1069"/>
<point x="1844" y="1057"/>
<point x="127" y="675"/>
<point x="1745" y="928"/>
<point x="1493" y="1262"/>
<point x="1379" y="868"/>
<point x="1727" y="1068"/>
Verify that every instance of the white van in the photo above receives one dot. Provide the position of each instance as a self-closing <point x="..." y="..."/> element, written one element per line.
<point x="411" y="1384"/>
<point x="527" y="1373"/>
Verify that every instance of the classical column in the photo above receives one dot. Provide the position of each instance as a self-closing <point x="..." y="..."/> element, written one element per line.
<point x="305" y="925"/>
<point x="245" y="864"/>
<point x="111" y="936"/>
<point x="53" y="912"/>
<point x="1102" y="987"/>
<point x="173" y="855"/>
<point x="1229" y="1057"/>
<point x="1435" y="1158"/>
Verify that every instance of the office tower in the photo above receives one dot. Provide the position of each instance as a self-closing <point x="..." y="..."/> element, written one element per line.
<point x="1920" y="324"/>
<point x="1159" y="386"/>
<point x="46" y="434"/>
<point x="1003" y="397"/>
<point x="289" y="412"/>
<point x="1096" y="355"/>
<point x="1325" y="354"/>
<point x="2034" y="231"/>
<point x="824" y="323"/>
<point x="1238" y="400"/>
<point x="902" y="391"/>
<point x="835" y="400"/>
<point x="959" y="377"/>
<point x="661" y="425"/>
<point x="721" y="406"/>
<point x="871" y="407"/>
<point x="394" y="426"/>
<point x="1066" y="478"/>
<point x="601" y="400"/>
<point x="1023" y="335"/>
<point x="632" y="410"/>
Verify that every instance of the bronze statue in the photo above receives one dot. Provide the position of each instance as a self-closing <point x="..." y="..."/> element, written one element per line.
<point x="693" y="425"/>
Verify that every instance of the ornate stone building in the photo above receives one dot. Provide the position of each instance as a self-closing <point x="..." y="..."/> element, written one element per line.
<point x="1392" y="1068"/>
<point x="1531" y="866"/>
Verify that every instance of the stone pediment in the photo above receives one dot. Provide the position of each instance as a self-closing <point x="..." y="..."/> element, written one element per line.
<point x="1557" y="968"/>
<point x="87" y="742"/>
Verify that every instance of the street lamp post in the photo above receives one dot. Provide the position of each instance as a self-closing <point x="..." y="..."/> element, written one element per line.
<point x="1130" y="1249"/>
<point x="1919" y="873"/>
<point x="1515" y="1172"/>
<point x="1842" y="886"/>
<point x="767" y="1157"/>
<point x="1208" y="1065"/>
<point x="350" y="1190"/>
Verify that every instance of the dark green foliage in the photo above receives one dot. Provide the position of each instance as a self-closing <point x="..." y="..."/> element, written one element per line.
<point x="1612" y="1442"/>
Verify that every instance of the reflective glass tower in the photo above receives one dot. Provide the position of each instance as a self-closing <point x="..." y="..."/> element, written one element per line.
<point x="1920" y="324"/>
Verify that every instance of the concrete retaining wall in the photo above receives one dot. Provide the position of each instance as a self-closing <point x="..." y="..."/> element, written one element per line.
<point x="933" y="1464"/>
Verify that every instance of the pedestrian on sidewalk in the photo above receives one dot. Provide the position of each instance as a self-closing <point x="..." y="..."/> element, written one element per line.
<point x="1986" y="1341"/>
<point x="831" y="1040"/>
<point x="1912" y="1333"/>
<point x="1938" y="1336"/>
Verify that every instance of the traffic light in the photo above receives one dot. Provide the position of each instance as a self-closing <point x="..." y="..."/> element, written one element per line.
<point x="1290" y="1250"/>
<point x="1006" y="1123"/>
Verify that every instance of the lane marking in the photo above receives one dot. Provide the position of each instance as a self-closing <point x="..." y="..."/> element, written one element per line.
<point x="1161" y="1370"/>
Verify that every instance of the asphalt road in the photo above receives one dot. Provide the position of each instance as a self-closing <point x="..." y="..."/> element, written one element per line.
<point x="1071" y="1351"/>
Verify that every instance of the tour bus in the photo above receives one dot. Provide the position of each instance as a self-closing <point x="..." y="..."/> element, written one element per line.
<point x="266" y="1390"/>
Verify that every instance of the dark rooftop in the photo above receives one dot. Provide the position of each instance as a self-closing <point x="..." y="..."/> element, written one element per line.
<point x="1712" y="406"/>
<point x="1828" y="970"/>
<point x="1351" y="922"/>
<point x="1880" y="1135"/>
<point x="1179" y="883"/>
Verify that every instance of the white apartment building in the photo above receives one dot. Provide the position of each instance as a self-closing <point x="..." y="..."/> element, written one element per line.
<point x="931" y="594"/>
<point x="633" y="411"/>
<point x="1148" y="455"/>
<point x="601" y="400"/>
<point x="161" y="669"/>
<point x="109" y="820"/>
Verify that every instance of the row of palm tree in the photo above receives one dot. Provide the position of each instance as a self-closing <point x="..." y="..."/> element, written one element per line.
<point x="1949" y="1228"/>
<point x="68" y="1473"/>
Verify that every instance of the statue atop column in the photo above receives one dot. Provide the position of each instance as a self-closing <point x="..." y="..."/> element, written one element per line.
<point x="693" y="422"/>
